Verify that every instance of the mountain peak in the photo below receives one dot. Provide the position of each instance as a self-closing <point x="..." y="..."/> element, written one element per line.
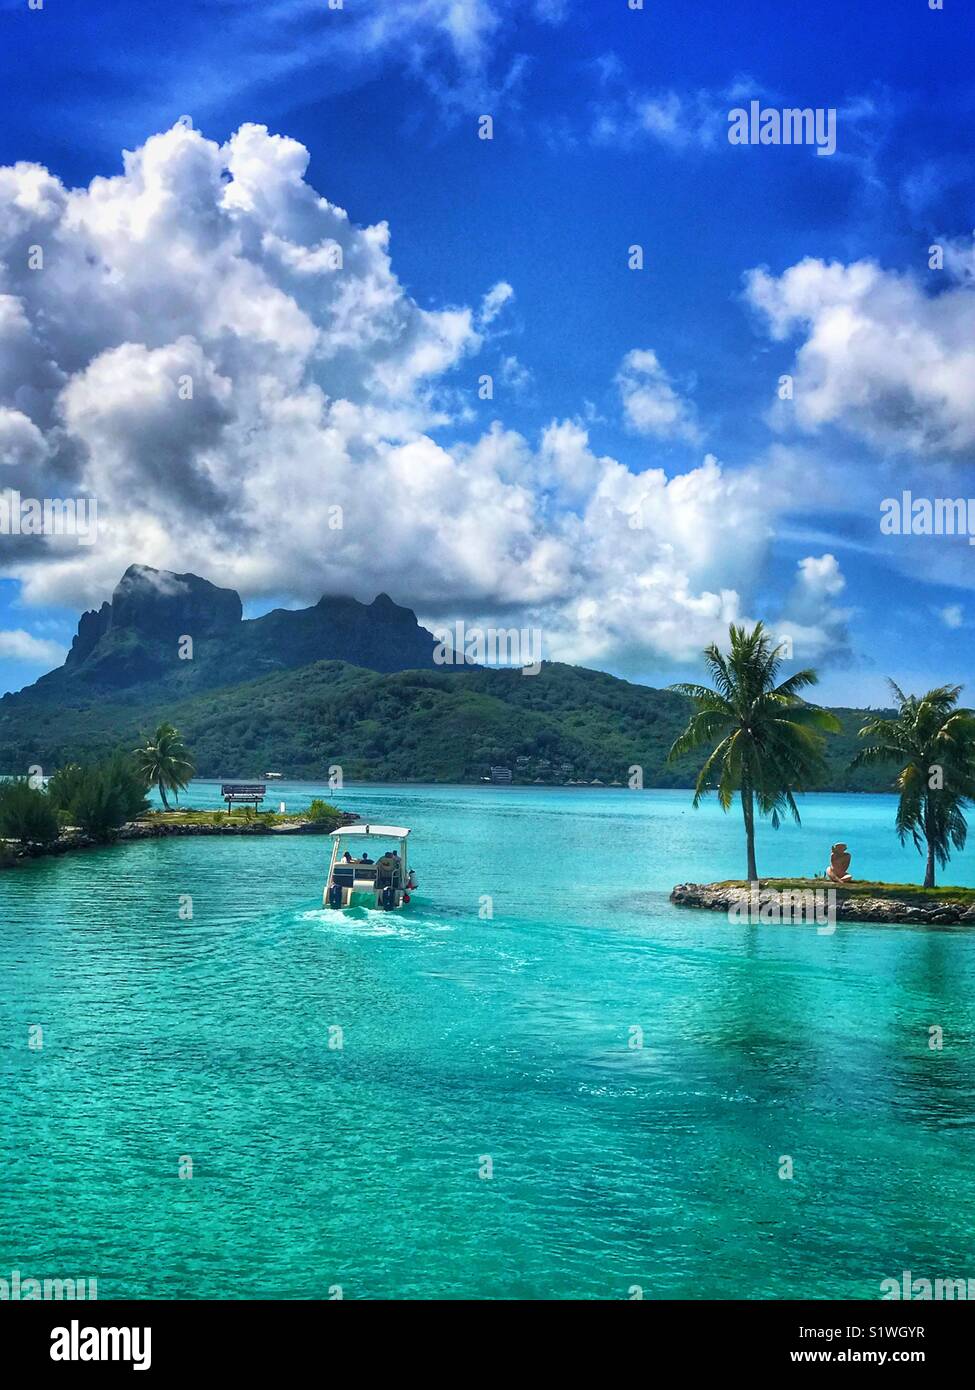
<point x="133" y="639"/>
<point x="160" y="603"/>
<point x="388" y="609"/>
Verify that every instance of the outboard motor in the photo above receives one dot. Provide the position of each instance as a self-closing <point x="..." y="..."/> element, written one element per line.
<point x="388" y="896"/>
<point x="335" y="895"/>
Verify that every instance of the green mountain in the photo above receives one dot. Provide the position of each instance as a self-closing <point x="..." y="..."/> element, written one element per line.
<point x="438" y="725"/>
<point x="342" y="683"/>
<point x="175" y="635"/>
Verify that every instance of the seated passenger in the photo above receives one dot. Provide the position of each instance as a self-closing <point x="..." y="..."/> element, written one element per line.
<point x="365" y="858"/>
<point x="347" y="858"/>
<point x="387" y="868"/>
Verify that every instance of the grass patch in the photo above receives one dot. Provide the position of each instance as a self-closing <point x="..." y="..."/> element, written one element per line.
<point x="899" y="892"/>
<point x="237" y="817"/>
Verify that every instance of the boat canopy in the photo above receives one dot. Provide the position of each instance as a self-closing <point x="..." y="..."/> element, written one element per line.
<point x="382" y="832"/>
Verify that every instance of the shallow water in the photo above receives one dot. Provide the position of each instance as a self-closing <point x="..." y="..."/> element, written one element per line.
<point x="469" y="1036"/>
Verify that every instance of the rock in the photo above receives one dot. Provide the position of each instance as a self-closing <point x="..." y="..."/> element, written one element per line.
<point x="92" y="627"/>
<point x="157" y="603"/>
<point x="132" y="641"/>
<point x="714" y="897"/>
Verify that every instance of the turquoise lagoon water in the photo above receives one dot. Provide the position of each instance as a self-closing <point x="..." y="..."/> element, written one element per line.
<point x="467" y="1037"/>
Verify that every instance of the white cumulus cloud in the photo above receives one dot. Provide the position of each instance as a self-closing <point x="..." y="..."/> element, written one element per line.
<point x="18" y="645"/>
<point x="651" y="405"/>
<point x="228" y="363"/>
<point x="882" y="355"/>
<point x="812" y="618"/>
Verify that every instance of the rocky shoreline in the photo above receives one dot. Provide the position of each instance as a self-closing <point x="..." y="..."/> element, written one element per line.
<point x="72" y="840"/>
<point x="851" y="904"/>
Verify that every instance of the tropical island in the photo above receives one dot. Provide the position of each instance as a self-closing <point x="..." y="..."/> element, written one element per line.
<point x="767" y="745"/>
<point x="83" y="806"/>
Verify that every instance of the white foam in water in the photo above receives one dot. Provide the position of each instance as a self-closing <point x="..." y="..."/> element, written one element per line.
<point x="369" y="921"/>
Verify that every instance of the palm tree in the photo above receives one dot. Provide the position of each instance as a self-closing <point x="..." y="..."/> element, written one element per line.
<point x="163" y="762"/>
<point x="934" y="740"/>
<point x="768" y="741"/>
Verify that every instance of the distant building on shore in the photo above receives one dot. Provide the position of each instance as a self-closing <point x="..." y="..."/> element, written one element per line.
<point x="501" y="774"/>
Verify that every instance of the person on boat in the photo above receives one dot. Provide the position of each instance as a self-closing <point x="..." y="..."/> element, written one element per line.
<point x="365" y="857"/>
<point x="347" y="857"/>
<point x="387" y="867"/>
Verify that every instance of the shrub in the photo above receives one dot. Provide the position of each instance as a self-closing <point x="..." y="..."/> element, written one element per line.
<point x="27" y="814"/>
<point x="321" y="810"/>
<point x="64" y="786"/>
<point x="97" y="807"/>
<point x="130" y="784"/>
<point x="102" y="798"/>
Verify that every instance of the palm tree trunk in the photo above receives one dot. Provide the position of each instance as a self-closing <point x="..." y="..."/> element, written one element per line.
<point x="929" y="870"/>
<point x="162" y="793"/>
<point x="929" y="837"/>
<point x="748" y="812"/>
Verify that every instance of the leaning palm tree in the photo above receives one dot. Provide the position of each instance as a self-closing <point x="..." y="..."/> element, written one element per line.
<point x="768" y="741"/>
<point x="934" y="741"/>
<point x="163" y="762"/>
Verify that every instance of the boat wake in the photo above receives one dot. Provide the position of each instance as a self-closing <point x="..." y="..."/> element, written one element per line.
<point x="373" y="921"/>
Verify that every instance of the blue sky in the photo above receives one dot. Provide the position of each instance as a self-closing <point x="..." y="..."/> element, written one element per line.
<point x="610" y="129"/>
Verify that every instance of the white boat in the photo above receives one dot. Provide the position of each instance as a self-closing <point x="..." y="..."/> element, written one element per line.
<point x="357" y="879"/>
<point x="273" y="776"/>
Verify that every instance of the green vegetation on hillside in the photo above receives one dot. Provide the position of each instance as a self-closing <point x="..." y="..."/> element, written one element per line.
<point x="566" y="723"/>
